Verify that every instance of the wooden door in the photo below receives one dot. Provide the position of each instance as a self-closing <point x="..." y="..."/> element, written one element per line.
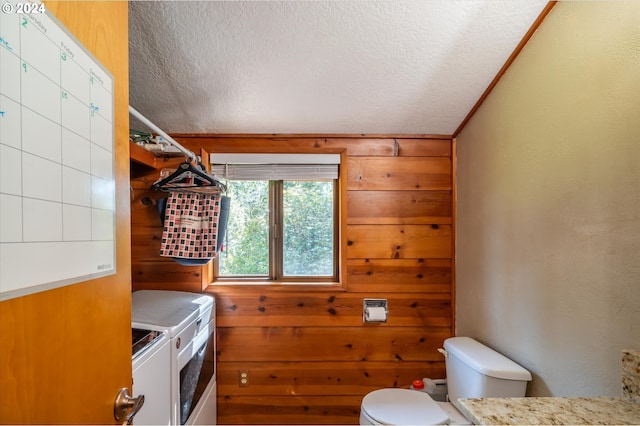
<point x="65" y="353"/>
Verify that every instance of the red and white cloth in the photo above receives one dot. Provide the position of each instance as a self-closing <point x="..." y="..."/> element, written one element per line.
<point x="191" y="226"/>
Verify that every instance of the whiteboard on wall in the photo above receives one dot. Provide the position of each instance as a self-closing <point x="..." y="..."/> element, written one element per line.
<point x="57" y="183"/>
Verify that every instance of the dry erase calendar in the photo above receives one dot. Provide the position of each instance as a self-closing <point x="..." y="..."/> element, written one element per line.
<point x="57" y="184"/>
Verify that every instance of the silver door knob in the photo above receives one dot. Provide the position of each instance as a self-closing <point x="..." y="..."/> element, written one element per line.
<point x="126" y="403"/>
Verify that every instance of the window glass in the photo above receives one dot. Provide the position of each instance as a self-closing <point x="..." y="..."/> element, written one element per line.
<point x="308" y="228"/>
<point x="280" y="230"/>
<point x="246" y="247"/>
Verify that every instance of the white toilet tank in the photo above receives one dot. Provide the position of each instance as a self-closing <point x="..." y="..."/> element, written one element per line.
<point x="477" y="371"/>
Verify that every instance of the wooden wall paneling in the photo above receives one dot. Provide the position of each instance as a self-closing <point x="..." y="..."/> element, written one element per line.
<point x="309" y="356"/>
<point x="322" y="378"/>
<point x="399" y="241"/>
<point x="356" y="146"/>
<point x="363" y="146"/>
<point x="164" y="270"/>
<point x="146" y="243"/>
<point x="144" y="210"/>
<point x="390" y="147"/>
<point x="371" y="342"/>
<point x="256" y="143"/>
<point x="399" y="173"/>
<point x="417" y="147"/>
<point x="151" y="271"/>
<point x="421" y="276"/>
<point x="193" y="287"/>
<point x="251" y="309"/>
<point x="292" y="409"/>
<point x="399" y="207"/>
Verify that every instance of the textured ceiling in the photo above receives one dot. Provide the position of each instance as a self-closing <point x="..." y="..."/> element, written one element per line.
<point x="393" y="67"/>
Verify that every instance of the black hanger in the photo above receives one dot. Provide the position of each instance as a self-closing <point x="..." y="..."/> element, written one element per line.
<point x="188" y="177"/>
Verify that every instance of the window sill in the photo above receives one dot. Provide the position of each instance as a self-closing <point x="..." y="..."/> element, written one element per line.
<point x="300" y="286"/>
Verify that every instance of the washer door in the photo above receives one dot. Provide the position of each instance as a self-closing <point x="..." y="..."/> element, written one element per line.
<point x="403" y="407"/>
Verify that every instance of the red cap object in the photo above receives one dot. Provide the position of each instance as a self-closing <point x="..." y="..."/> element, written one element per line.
<point x="418" y="384"/>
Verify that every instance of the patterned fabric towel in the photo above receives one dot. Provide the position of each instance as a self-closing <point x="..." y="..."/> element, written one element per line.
<point x="191" y="226"/>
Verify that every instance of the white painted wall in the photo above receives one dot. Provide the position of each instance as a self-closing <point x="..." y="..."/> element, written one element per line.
<point x="548" y="231"/>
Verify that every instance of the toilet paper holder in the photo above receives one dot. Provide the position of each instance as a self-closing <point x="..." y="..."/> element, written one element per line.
<point x="372" y="313"/>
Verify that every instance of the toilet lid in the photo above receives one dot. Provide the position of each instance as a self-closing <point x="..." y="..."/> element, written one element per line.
<point x="403" y="407"/>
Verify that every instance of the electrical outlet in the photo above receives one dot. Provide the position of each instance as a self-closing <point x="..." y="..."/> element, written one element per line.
<point x="243" y="378"/>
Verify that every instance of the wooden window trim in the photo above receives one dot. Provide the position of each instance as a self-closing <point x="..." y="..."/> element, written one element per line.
<point x="208" y="272"/>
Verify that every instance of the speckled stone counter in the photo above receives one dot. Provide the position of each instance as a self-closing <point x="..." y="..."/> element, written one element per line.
<point x="551" y="411"/>
<point x="631" y="375"/>
<point x="564" y="411"/>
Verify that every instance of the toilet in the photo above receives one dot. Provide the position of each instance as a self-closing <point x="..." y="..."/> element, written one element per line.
<point x="473" y="371"/>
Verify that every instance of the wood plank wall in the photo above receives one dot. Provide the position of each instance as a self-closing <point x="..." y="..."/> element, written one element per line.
<point x="308" y="356"/>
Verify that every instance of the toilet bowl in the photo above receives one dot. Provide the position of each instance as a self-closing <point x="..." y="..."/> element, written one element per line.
<point x="473" y="371"/>
<point x="407" y="407"/>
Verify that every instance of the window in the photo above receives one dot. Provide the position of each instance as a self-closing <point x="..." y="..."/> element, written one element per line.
<point x="281" y="228"/>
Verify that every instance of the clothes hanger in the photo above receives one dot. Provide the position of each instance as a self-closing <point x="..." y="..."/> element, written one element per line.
<point x="189" y="178"/>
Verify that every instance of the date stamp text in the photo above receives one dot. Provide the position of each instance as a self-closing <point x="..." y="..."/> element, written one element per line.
<point x="24" y="8"/>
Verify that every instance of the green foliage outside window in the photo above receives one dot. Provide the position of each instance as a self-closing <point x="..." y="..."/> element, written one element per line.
<point x="246" y="245"/>
<point x="308" y="229"/>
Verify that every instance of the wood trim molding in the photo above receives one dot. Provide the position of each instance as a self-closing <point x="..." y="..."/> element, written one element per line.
<point x="287" y="136"/>
<point x="454" y="247"/>
<point x="506" y="65"/>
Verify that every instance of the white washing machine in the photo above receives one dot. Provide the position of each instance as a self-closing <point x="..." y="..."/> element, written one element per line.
<point x="188" y="319"/>
<point x="151" y="360"/>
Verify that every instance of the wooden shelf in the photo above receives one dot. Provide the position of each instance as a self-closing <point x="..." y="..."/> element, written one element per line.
<point x="142" y="156"/>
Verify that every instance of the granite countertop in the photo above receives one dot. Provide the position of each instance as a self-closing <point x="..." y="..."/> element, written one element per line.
<point x="564" y="410"/>
<point x="551" y="411"/>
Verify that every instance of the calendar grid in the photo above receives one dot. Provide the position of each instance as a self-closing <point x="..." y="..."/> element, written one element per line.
<point x="57" y="183"/>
